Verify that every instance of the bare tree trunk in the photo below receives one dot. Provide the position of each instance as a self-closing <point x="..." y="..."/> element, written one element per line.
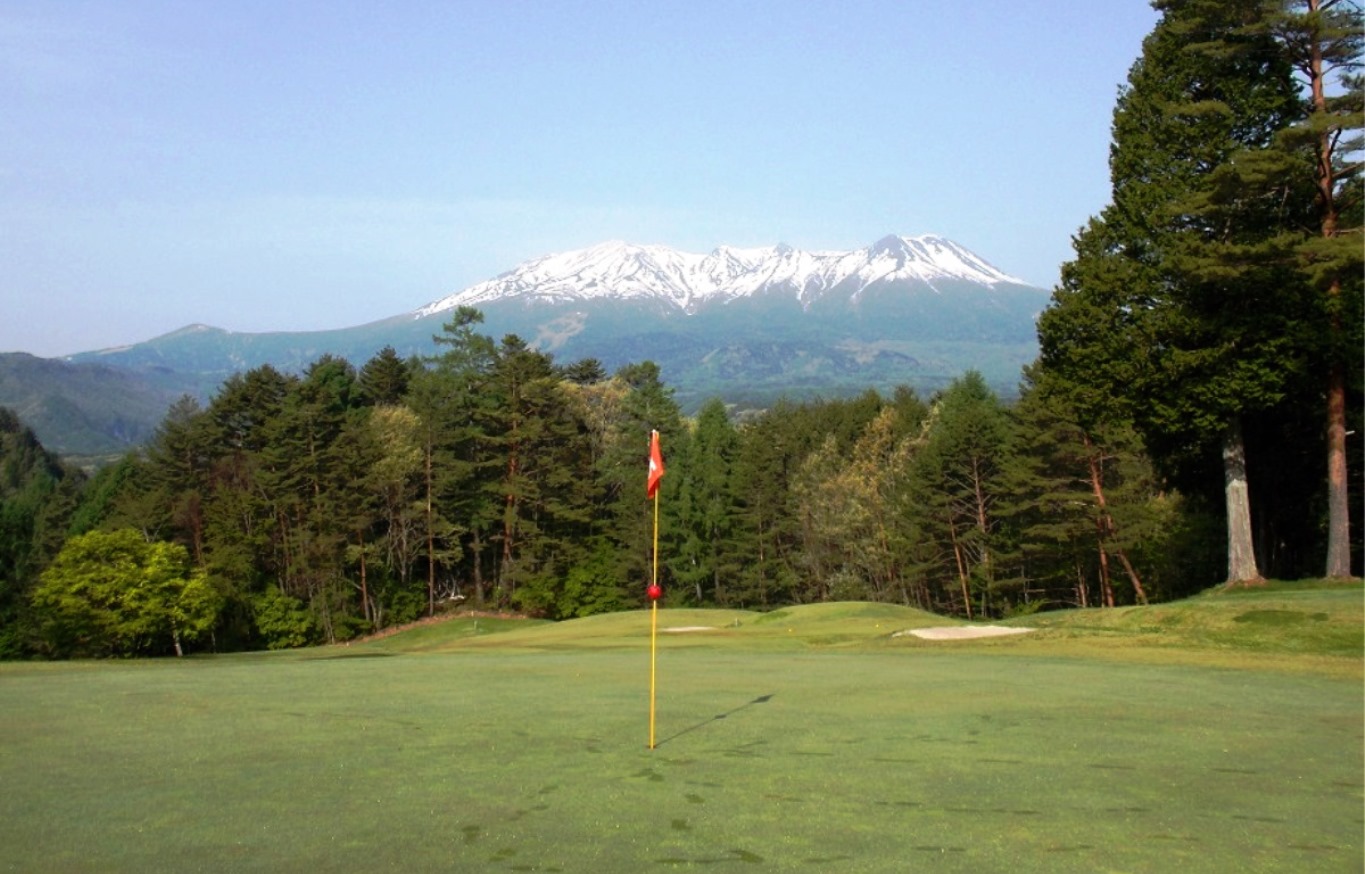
<point x="1132" y="575"/>
<point x="982" y="525"/>
<point x="1107" y="525"/>
<point x="1338" y="499"/>
<point x="364" y="590"/>
<point x="506" y="579"/>
<point x="327" y="626"/>
<point x="1242" y="567"/>
<point x="431" y="537"/>
<point x="476" y="547"/>
<point x="1105" y="587"/>
<point x="1102" y="521"/>
<point x="961" y="569"/>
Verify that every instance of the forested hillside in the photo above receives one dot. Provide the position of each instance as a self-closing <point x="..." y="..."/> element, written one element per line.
<point x="315" y="509"/>
<point x="38" y="495"/>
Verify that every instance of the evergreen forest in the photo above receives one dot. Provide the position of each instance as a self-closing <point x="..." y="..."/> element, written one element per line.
<point x="1193" y="418"/>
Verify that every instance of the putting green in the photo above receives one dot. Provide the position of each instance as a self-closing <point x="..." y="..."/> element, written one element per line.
<point x="484" y="760"/>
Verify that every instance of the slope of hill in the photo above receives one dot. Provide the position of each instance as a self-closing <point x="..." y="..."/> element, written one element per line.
<point x="85" y="410"/>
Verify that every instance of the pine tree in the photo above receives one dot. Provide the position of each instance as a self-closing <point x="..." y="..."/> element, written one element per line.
<point x="646" y="405"/>
<point x="766" y="521"/>
<point x="1079" y="495"/>
<point x="539" y="449"/>
<point x="384" y="378"/>
<point x="1324" y="39"/>
<point x="708" y="558"/>
<point x="959" y="478"/>
<point x="450" y="397"/>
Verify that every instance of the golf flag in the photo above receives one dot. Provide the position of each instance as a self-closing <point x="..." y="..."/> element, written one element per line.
<point x="656" y="465"/>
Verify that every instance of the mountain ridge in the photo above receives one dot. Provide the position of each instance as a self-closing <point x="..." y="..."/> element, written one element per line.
<point x="689" y="281"/>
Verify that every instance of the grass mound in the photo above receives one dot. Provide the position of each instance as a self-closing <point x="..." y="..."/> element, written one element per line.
<point x="819" y="625"/>
<point x="442" y="633"/>
<point x="1278" y="622"/>
<point x="843" y="623"/>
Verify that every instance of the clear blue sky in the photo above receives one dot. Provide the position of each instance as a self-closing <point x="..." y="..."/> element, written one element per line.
<point x="298" y="164"/>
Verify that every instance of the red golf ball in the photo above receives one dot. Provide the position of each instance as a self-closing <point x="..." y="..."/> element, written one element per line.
<point x="655" y="592"/>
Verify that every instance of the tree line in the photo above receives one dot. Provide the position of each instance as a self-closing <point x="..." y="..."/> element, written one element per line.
<point x="293" y="510"/>
<point x="1186" y="422"/>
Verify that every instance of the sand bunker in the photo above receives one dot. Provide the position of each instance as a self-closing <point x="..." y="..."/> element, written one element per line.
<point x="947" y="632"/>
<point x="962" y="632"/>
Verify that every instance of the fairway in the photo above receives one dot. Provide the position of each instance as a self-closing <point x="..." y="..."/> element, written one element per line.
<point x="928" y="757"/>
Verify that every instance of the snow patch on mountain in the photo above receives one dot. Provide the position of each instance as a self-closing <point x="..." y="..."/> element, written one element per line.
<point x="687" y="281"/>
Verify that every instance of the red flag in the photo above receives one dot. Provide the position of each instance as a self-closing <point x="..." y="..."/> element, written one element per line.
<point x="656" y="465"/>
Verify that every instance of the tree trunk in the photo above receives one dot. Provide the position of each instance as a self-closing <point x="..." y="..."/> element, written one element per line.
<point x="1107" y="525"/>
<point x="1132" y="575"/>
<point x="431" y="537"/>
<point x="364" y="585"/>
<point x="1241" y="552"/>
<point x="961" y="568"/>
<point x="1338" y="504"/>
<point x="1338" y="500"/>
<point x="506" y="579"/>
<point x="982" y="524"/>
<point x="1103" y="524"/>
<point x="476" y="548"/>
<point x="1105" y="587"/>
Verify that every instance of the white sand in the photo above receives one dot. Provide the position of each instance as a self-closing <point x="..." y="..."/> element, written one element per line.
<point x="947" y="632"/>
<point x="962" y="632"/>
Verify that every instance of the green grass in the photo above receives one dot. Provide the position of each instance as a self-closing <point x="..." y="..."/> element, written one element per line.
<point x="1306" y="627"/>
<point x="1223" y="733"/>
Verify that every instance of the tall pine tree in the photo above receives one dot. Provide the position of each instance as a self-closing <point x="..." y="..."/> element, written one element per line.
<point x="1323" y="39"/>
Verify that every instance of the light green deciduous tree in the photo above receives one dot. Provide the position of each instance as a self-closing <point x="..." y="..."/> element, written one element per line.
<point x="115" y="593"/>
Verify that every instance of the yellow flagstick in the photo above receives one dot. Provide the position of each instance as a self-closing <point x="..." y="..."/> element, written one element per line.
<point x="653" y="622"/>
<point x="656" y="472"/>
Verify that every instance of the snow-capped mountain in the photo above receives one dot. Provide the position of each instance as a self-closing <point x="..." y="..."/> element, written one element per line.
<point x="688" y="282"/>
<point x="747" y="325"/>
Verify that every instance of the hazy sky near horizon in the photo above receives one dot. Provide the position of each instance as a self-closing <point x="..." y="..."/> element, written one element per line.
<point x="261" y="165"/>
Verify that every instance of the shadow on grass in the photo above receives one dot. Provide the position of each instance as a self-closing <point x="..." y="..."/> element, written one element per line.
<point x="761" y="699"/>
